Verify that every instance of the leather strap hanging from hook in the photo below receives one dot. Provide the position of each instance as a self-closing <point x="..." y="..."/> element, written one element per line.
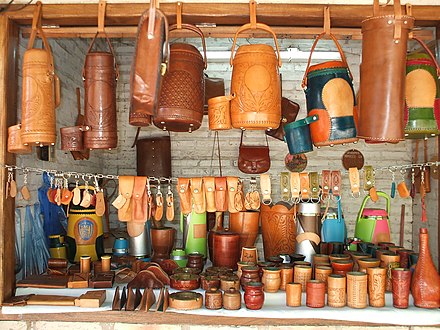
<point x="253" y="14"/>
<point x="101" y="15"/>
<point x="327" y="20"/>
<point x="179" y="6"/>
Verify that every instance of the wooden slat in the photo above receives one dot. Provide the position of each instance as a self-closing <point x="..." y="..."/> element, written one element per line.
<point x="8" y="106"/>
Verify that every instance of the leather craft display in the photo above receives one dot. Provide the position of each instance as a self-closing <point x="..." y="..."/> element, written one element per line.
<point x="100" y="76"/>
<point x="330" y="96"/>
<point x="255" y="81"/>
<point x="382" y="87"/>
<point x="289" y="111"/>
<point x="40" y="89"/>
<point x="422" y="95"/>
<point x="253" y="159"/>
<point x="153" y="156"/>
<point x="146" y="76"/>
<point x="181" y="100"/>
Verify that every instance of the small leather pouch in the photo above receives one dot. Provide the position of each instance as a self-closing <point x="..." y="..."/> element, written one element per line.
<point x="289" y="111"/>
<point x="126" y="184"/>
<point x="72" y="138"/>
<point x="221" y="196"/>
<point x="138" y="206"/>
<point x="253" y="159"/>
<point x="184" y="194"/>
<point x="15" y="145"/>
<point x="233" y="193"/>
<point x="209" y="185"/>
<point x="198" y="195"/>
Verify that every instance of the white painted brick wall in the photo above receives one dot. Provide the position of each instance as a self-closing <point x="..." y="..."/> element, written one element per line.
<point x="191" y="153"/>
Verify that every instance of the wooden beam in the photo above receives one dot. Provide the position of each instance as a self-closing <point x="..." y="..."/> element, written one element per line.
<point x="8" y="106"/>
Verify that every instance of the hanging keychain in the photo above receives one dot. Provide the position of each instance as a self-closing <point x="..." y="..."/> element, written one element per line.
<point x="11" y="185"/>
<point x="413" y="183"/>
<point x="86" y="198"/>
<point x="149" y="200"/>
<point x="66" y="194"/>
<point x="99" y="202"/>
<point x="76" y="194"/>
<point x="170" y="203"/>
<point x="49" y="193"/>
<point x="159" y="203"/>
<point x="25" y="190"/>
<point x="402" y="189"/>
<point x="393" y="183"/>
<point x="57" y="191"/>
<point x="252" y="197"/>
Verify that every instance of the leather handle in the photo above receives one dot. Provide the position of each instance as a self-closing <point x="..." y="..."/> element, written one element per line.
<point x="57" y="87"/>
<point x="426" y="48"/>
<point x="179" y="14"/>
<point x="195" y="29"/>
<point x="327" y="19"/>
<point x="111" y="51"/>
<point x="258" y="26"/>
<point x="78" y="100"/>
<point x="397" y="16"/>
<point x="338" y="46"/>
<point x="367" y="197"/>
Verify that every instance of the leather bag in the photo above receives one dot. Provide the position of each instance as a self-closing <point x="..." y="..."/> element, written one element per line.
<point x="256" y="83"/>
<point x="333" y="227"/>
<point x="147" y="74"/>
<point x="153" y="157"/>
<point x="40" y="90"/>
<point x="422" y="95"/>
<point x="181" y="102"/>
<point x="253" y="159"/>
<point x="382" y="86"/>
<point x="289" y="111"/>
<point x="330" y="95"/>
<point x="100" y="76"/>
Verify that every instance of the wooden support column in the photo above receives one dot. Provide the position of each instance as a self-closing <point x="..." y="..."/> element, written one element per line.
<point x="8" y="111"/>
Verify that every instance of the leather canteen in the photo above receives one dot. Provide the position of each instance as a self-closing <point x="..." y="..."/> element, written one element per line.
<point x="40" y="94"/>
<point x="100" y="76"/>
<point x="15" y="145"/>
<point x="330" y="95"/>
<point x="221" y="194"/>
<point x="289" y="111"/>
<point x="181" y="102"/>
<point x="253" y="159"/>
<point x="382" y="86"/>
<point x="153" y="156"/>
<point x="422" y="95"/>
<point x="256" y="84"/>
<point x="147" y="75"/>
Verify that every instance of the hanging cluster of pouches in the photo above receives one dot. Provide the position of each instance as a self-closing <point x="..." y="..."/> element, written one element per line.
<point x="40" y="94"/>
<point x="382" y="87"/>
<point x="422" y="95"/>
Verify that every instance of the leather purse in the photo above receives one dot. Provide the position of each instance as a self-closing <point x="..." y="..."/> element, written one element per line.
<point x="146" y="75"/>
<point x="330" y="95"/>
<point x="100" y="75"/>
<point x="382" y="85"/>
<point x="422" y="95"/>
<point x="333" y="227"/>
<point x="253" y="159"/>
<point x="289" y="111"/>
<point x="40" y="90"/>
<point x="153" y="156"/>
<point x="182" y="96"/>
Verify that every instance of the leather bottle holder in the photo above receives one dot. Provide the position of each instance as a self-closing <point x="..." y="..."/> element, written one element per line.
<point x="15" y="145"/>
<point x="153" y="156"/>
<point x="146" y="76"/>
<point x="381" y="98"/>
<point x="100" y="76"/>
<point x="289" y="111"/>
<point x="40" y="90"/>
<point x="181" y="100"/>
<point x="213" y="87"/>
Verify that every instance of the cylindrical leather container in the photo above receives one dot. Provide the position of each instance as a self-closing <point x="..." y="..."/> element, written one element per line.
<point x="226" y="249"/>
<point x="249" y="274"/>
<point x="271" y="279"/>
<point x="286" y="275"/>
<point x="15" y="144"/>
<point x="213" y="299"/>
<point x="84" y="264"/>
<point x="254" y="295"/>
<point x="256" y="83"/>
<point x="356" y="290"/>
<point x="389" y="261"/>
<point x="382" y="88"/>
<point x="376" y="286"/>
<point x="162" y="242"/>
<point x="404" y="257"/>
<point x="293" y="294"/>
<point x="342" y="267"/>
<point x="207" y="282"/>
<point x="320" y="258"/>
<point x="219" y="113"/>
<point x="365" y="263"/>
<point x="246" y="224"/>
<point x="231" y="299"/>
<point x="336" y="288"/>
<point x="106" y="263"/>
<point x="72" y="138"/>
<point x="100" y="101"/>
<point x="355" y="256"/>
<point x="249" y="254"/>
<point x="302" y="274"/>
<point x="153" y="157"/>
<point x="309" y="223"/>
<point x="182" y="96"/>
<point x="401" y="281"/>
<point x="315" y="294"/>
<point x="322" y="273"/>
<point x="195" y="260"/>
<point x="278" y="229"/>
<point x="240" y="266"/>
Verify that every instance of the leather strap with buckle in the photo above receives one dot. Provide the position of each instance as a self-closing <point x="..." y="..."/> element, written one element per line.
<point x="158" y="213"/>
<point x="232" y="183"/>
<point x="325" y="184"/>
<point x="170" y="204"/>
<point x="285" y="186"/>
<point x="295" y="187"/>
<point x="138" y="210"/>
<point x="353" y="174"/>
<point x="304" y="185"/>
<point x="252" y="198"/>
<point x="314" y="185"/>
<point x="336" y="183"/>
<point x="126" y="184"/>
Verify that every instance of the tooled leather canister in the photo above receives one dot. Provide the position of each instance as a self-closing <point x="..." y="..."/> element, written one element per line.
<point x="72" y="138"/>
<point x="401" y="279"/>
<point x="302" y="274"/>
<point x="246" y="224"/>
<point x="213" y="299"/>
<point x="382" y="86"/>
<point x="231" y="299"/>
<point x="153" y="156"/>
<point x="376" y="286"/>
<point x="278" y="229"/>
<point x="322" y="273"/>
<point x="356" y="290"/>
<point x="389" y="261"/>
<point x="226" y="249"/>
<point x="15" y="145"/>
<point x="293" y="294"/>
<point x="425" y="284"/>
<point x="336" y="290"/>
<point x="100" y="80"/>
<point x="315" y="294"/>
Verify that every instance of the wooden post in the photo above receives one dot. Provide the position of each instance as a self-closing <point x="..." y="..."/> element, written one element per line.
<point x="437" y="54"/>
<point x="8" y="106"/>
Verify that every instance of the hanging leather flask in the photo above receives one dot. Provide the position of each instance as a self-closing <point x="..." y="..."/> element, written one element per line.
<point x="40" y="90"/>
<point x="100" y="76"/>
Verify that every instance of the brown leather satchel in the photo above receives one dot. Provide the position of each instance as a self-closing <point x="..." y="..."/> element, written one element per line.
<point x="100" y="76"/>
<point x="153" y="156"/>
<point x="289" y="111"/>
<point x="40" y="90"/>
<point x="253" y="159"/>
<point x="382" y="87"/>
<point x="182" y="96"/>
<point x="149" y="66"/>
